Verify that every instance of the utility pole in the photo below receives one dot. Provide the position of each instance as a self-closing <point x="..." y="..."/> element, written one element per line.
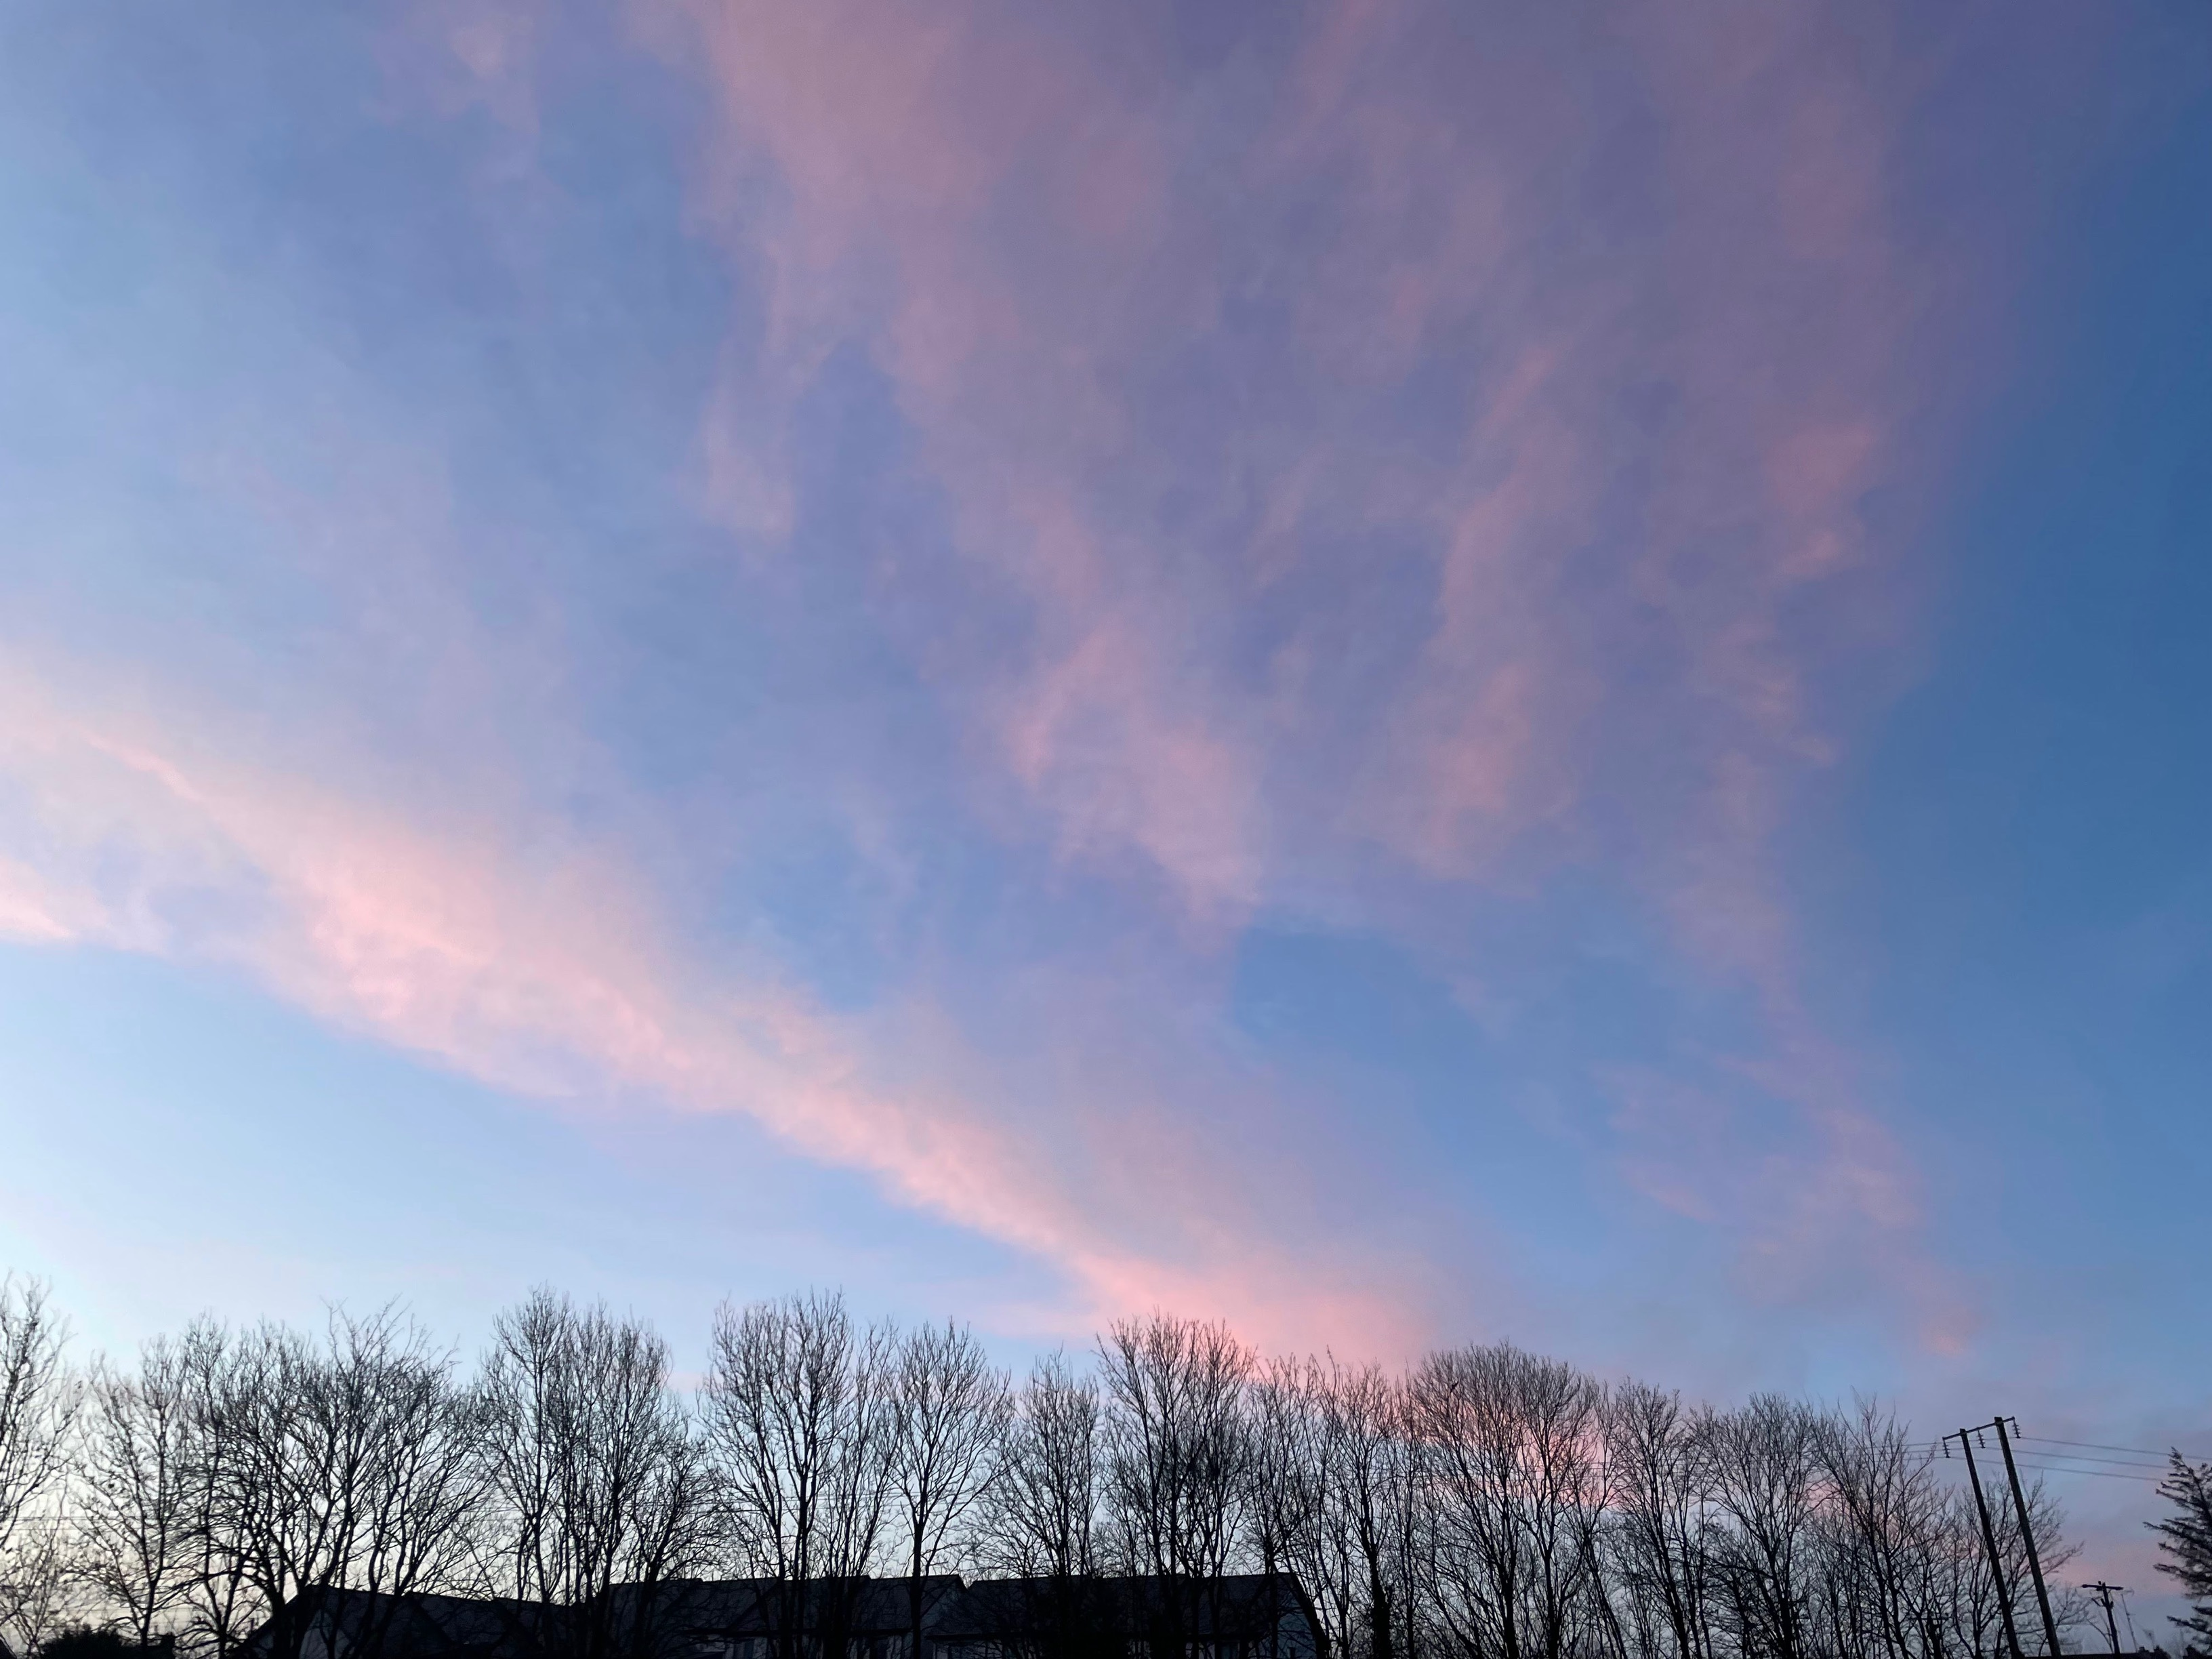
<point x="2027" y="1537"/>
<point x="1965" y="1437"/>
<point x="2105" y="1592"/>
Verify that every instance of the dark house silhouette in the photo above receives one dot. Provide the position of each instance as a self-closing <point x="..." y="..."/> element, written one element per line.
<point x="1237" y="1616"/>
<point x="1243" y="1616"/>
<point x="345" y="1624"/>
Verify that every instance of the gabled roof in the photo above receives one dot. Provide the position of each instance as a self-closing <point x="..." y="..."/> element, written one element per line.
<point x="461" y="1626"/>
<point x="1235" y="1606"/>
<point x="756" y="1606"/>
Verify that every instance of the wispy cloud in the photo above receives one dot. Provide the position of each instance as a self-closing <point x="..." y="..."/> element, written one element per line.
<point x="546" y="973"/>
<point x="1356" y="469"/>
<point x="1439" y="440"/>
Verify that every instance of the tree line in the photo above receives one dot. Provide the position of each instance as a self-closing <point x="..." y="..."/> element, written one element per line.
<point x="1485" y="1503"/>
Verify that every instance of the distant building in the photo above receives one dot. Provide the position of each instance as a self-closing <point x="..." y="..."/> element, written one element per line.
<point x="368" y="1625"/>
<point x="1237" y="1616"/>
<point x="1241" y="1616"/>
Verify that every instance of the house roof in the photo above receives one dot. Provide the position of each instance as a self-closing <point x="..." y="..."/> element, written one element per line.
<point x="457" y="1626"/>
<point x="1238" y="1607"/>
<point x="756" y="1606"/>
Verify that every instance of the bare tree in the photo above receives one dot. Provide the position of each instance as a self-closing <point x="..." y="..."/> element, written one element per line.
<point x="346" y="1465"/>
<point x="1041" y="1514"/>
<point x="421" y="1489"/>
<point x="43" y="1584"/>
<point x="1178" y="1453"/>
<point x="1289" y="1462"/>
<point x="1490" y="1505"/>
<point x="1765" y="1465"/>
<point x="1660" y="1535"/>
<point x="800" y="1426"/>
<point x="592" y="1470"/>
<point x="1888" y="1513"/>
<point x="2070" y="1607"/>
<point x="1371" y="1511"/>
<point x="1960" y="1613"/>
<point x="1043" y="1501"/>
<point x="948" y="1410"/>
<point x="38" y="1403"/>
<point x="1511" y="1445"/>
<point x="134" y="1510"/>
<point x="220" y="1604"/>
<point x="1333" y="1502"/>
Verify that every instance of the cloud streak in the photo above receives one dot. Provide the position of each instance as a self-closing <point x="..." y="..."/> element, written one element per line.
<point x="548" y="977"/>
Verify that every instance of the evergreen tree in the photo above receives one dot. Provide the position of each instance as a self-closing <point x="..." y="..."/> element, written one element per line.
<point x="2185" y="1540"/>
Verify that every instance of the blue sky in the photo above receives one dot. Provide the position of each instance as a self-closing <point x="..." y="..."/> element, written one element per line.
<point x="1408" y="673"/>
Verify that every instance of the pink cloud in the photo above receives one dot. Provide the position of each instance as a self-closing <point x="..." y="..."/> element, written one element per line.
<point x="26" y="909"/>
<point x="1022" y="227"/>
<point x="546" y="975"/>
<point x="895" y="135"/>
<point x="997" y="212"/>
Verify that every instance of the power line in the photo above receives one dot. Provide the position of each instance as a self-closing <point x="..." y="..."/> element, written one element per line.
<point x="2085" y="1457"/>
<point x="2044" y="1459"/>
<point x="2071" y="1462"/>
<point x="2046" y="1466"/>
<point x="2097" y="1456"/>
<point x="2101" y="1474"/>
<point x="2140" y="1451"/>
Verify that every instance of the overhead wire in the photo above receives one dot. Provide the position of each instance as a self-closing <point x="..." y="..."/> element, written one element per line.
<point x="2101" y="1474"/>
<point x="2093" y="1445"/>
<point x="2037" y="1461"/>
<point x="2068" y="1459"/>
<point x="2139" y="1463"/>
<point x="2039" y="1454"/>
<point x="2084" y="1457"/>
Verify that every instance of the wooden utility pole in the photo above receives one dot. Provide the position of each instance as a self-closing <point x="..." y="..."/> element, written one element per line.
<point x="2027" y="1537"/>
<point x="2105" y="1592"/>
<point x="1965" y="1437"/>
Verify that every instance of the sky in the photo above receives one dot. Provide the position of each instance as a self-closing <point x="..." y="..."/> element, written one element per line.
<point x="1408" y="673"/>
